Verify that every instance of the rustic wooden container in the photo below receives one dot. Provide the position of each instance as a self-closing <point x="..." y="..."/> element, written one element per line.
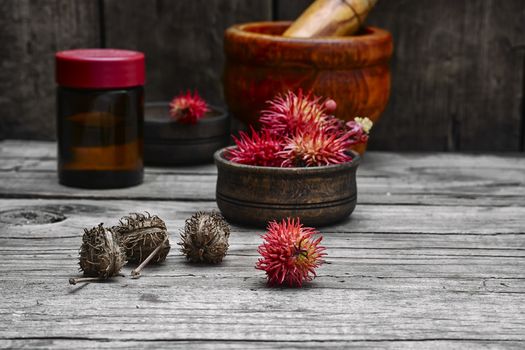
<point x="167" y="142"/>
<point x="260" y="63"/>
<point x="254" y="195"/>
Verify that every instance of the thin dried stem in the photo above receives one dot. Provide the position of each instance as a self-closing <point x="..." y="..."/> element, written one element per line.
<point x="136" y="272"/>
<point x="74" y="281"/>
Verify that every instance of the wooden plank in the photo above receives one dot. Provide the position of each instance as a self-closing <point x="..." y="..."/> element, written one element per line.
<point x="32" y="32"/>
<point x="457" y="75"/>
<point x="171" y="310"/>
<point x="182" y="40"/>
<point x="193" y="186"/>
<point x="28" y="170"/>
<point x="224" y="344"/>
<point x="426" y="288"/>
<point x="385" y="219"/>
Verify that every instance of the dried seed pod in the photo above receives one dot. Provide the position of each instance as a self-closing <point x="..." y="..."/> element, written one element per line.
<point x="290" y="253"/>
<point x="205" y="237"/>
<point x="141" y="235"/>
<point x="101" y="255"/>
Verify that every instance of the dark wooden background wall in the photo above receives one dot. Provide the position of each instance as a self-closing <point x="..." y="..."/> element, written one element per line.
<point x="458" y="69"/>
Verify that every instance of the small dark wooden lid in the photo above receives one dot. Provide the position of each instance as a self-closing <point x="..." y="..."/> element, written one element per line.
<point x="167" y="142"/>
<point x="158" y="124"/>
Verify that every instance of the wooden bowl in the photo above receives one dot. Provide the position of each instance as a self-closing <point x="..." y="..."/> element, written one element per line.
<point x="167" y="142"/>
<point x="254" y="195"/>
<point x="260" y="63"/>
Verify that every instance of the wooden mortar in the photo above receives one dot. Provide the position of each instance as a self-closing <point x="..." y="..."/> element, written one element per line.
<point x="261" y="63"/>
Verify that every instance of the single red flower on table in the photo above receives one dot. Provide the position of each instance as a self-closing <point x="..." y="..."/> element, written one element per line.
<point x="290" y="253"/>
<point x="187" y="108"/>
<point x="260" y="149"/>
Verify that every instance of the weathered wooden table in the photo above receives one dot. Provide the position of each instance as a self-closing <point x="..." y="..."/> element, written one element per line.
<point x="433" y="257"/>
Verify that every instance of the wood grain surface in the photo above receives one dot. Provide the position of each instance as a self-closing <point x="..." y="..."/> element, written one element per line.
<point x="457" y="75"/>
<point x="182" y="40"/>
<point x="32" y="31"/>
<point x="457" y="68"/>
<point x="387" y="178"/>
<point x="441" y="264"/>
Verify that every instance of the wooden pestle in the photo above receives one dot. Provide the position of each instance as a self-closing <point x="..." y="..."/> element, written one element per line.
<point x="330" y="18"/>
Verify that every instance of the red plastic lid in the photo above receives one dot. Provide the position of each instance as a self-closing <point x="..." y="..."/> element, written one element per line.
<point x="100" y="68"/>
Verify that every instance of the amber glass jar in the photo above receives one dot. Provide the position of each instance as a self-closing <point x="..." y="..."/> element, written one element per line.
<point x="100" y="108"/>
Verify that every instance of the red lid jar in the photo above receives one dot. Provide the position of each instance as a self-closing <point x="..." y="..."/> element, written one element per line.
<point x="100" y="68"/>
<point x="100" y="108"/>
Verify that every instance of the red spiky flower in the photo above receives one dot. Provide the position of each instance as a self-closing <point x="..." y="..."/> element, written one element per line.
<point x="187" y="108"/>
<point x="316" y="148"/>
<point x="290" y="253"/>
<point x="289" y="113"/>
<point x="258" y="149"/>
<point x="298" y="130"/>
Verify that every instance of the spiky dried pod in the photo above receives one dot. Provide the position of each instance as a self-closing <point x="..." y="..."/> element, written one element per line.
<point x="187" y="108"/>
<point x="261" y="149"/>
<point x="290" y="253"/>
<point x="140" y="234"/>
<point x="317" y="148"/>
<point x="205" y="237"/>
<point x="101" y="254"/>
<point x="290" y="113"/>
